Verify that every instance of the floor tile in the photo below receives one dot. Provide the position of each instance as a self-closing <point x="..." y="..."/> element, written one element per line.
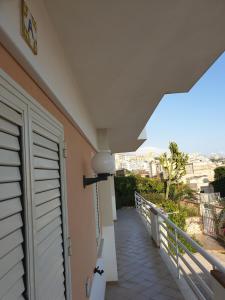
<point x="142" y="273"/>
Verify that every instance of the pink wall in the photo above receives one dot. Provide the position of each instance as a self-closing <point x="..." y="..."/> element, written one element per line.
<point x="80" y="202"/>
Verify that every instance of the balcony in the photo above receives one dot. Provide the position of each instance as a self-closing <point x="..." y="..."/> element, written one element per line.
<point x="154" y="260"/>
<point x="142" y="273"/>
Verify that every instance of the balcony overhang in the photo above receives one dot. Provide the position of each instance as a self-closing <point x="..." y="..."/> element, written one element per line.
<point x="125" y="55"/>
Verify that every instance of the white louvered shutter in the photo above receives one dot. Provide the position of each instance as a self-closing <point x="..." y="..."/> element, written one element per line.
<point x="12" y="267"/>
<point x="48" y="216"/>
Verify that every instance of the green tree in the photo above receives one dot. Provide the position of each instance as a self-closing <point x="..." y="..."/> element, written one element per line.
<point x="174" y="166"/>
<point x="219" y="173"/>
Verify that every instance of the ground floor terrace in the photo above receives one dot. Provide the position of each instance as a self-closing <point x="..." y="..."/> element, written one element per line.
<point x="141" y="270"/>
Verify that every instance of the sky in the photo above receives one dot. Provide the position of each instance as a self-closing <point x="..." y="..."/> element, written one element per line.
<point x="195" y="120"/>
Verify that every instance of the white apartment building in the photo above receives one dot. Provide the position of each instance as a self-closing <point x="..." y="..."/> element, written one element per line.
<point x="200" y="172"/>
<point x="132" y="162"/>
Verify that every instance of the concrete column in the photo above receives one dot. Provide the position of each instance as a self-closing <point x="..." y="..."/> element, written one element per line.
<point x="109" y="249"/>
<point x="113" y="198"/>
<point x="108" y="214"/>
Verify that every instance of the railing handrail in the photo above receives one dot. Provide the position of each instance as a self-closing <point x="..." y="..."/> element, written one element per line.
<point x="213" y="261"/>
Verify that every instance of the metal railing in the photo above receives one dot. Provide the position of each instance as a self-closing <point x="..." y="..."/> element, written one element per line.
<point x="188" y="259"/>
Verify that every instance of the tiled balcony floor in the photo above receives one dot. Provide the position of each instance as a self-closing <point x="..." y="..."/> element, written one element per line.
<point x="142" y="273"/>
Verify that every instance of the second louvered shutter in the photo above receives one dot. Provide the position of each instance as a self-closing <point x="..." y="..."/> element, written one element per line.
<point x="48" y="216"/>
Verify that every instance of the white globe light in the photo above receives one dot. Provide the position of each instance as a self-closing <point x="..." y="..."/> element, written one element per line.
<point x="103" y="162"/>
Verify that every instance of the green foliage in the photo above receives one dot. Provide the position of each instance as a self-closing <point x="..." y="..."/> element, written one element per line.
<point x="153" y="191"/>
<point x="126" y="186"/>
<point x="177" y="214"/>
<point x="149" y="185"/>
<point x="181" y="191"/>
<point x="191" y="211"/>
<point x="219" y="173"/>
<point x="219" y="186"/>
<point x="174" y="165"/>
<point x="187" y="245"/>
<point x="124" y="190"/>
<point x="156" y="198"/>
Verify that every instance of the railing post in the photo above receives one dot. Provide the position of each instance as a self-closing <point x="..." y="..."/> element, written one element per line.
<point x="155" y="226"/>
<point x="137" y="202"/>
<point x="141" y="204"/>
<point x="177" y="255"/>
<point x="163" y="238"/>
<point x="135" y="199"/>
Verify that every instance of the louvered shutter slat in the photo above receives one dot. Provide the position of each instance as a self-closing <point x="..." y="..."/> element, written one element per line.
<point x="10" y="260"/>
<point x="11" y="221"/>
<point x="9" y="190"/>
<point x="46" y="196"/>
<point x="47" y="230"/>
<point x="40" y="174"/>
<point x="54" y="249"/>
<point x="47" y="207"/>
<point x="49" y="234"/>
<point x="9" y="158"/>
<point x="45" y="153"/>
<point x="7" y="113"/>
<point x="10" y="207"/>
<point x="44" y="142"/>
<point x="9" y="142"/>
<point x="45" y="281"/>
<point x="41" y="163"/>
<point x="53" y="237"/>
<point x="10" y="242"/>
<point x="15" y="291"/>
<point x="55" y="288"/>
<point x="9" y="127"/>
<point x="49" y="258"/>
<point x="46" y="185"/>
<point x="9" y="174"/>
<point x="10" y="224"/>
<point x="8" y="281"/>
<point x="48" y="218"/>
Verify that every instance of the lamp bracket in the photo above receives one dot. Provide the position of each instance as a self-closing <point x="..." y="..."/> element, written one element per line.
<point x="100" y="177"/>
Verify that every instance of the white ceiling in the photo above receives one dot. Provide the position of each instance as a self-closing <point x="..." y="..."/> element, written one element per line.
<point x="126" y="54"/>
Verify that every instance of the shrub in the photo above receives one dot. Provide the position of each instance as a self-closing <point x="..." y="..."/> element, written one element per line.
<point x="126" y="186"/>
<point x="124" y="190"/>
<point x="191" y="211"/>
<point x="156" y="198"/>
<point x="219" y="186"/>
<point x="177" y="214"/>
<point x="219" y="173"/>
<point x="149" y="185"/>
<point x="181" y="191"/>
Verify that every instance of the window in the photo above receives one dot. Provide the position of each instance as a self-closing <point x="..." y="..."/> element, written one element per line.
<point x="33" y="213"/>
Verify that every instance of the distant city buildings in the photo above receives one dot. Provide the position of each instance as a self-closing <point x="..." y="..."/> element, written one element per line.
<point x="200" y="169"/>
<point x="200" y="172"/>
<point x="133" y="162"/>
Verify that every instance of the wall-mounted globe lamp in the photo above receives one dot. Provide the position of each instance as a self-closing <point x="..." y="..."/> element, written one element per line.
<point x="103" y="165"/>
